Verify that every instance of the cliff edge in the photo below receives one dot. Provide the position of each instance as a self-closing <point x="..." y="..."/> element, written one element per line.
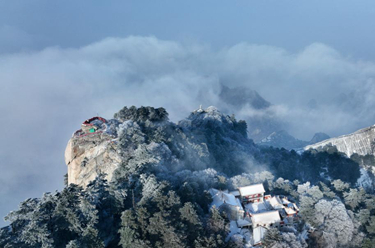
<point x="92" y="150"/>
<point x="360" y="142"/>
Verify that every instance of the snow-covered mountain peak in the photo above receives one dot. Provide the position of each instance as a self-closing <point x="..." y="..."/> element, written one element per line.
<point x="209" y="115"/>
<point x="360" y="142"/>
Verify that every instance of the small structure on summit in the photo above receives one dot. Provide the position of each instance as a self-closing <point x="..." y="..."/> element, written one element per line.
<point x="200" y="109"/>
<point x="252" y="193"/>
<point x="98" y="125"/>
<point x="91" y="150"/>
<point x="92" y="125"/>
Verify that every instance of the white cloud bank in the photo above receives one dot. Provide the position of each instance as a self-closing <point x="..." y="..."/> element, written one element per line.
<point x="46" y="94"/>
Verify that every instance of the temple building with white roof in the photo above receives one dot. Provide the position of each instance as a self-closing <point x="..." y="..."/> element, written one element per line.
<point x="266" y="219"/>
<point x="252" y="193"/>
<point x="228" y="203"/>
<point x="249" y="208"/>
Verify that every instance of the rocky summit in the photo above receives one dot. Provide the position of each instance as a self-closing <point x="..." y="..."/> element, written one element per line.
<point x="101" y="145"/>
<point x="92" y="150"/>
<point x="140" y="180"/>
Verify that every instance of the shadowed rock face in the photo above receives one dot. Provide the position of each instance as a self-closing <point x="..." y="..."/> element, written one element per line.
<point x="94" y="148"/>
<point x="241" y="96"/>
<point x="360" y="142"/>
<point x="241" y="100"/>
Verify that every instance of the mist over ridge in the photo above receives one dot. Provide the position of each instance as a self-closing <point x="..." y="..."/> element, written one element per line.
<point x="314" y="90"/>
<point x="141" y="180"/>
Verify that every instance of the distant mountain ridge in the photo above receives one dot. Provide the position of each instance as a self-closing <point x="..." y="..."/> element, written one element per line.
<point x="140" y="180"/>
<point x="360" y="142"/>
<point x="241" y="99"/>
<point x="240" y="96"/>
<point x="282" y="139"/>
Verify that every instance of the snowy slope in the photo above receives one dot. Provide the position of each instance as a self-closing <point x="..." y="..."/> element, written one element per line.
<point x="360" y="142"/>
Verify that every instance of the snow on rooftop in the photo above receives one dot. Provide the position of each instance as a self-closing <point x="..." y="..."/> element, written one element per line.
<point x="285" y="201"/>
<point x="243" y="222"/>
<point x="266" y="218"/>
<point x="290" y="211"/>
<point x="275" y="202"/>
<point x="256" y="207"/>
<point x="219" y="198"/>
<point x="258" y="234"/>
<point x="252" y="189"/>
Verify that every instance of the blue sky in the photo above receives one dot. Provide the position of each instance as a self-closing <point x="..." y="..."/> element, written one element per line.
<point x="62" y="62"/>
<point x="343" y="24"/>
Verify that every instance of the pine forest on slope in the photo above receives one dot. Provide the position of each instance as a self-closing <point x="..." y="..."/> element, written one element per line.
<point x="139" y="180"/>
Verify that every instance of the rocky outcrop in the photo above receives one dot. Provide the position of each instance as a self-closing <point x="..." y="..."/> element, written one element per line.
<point x="88" y="154"/>
<point x="360" y="142"/>
<point x="142" y="139"/>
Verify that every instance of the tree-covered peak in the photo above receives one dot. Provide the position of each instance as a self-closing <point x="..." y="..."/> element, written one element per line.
<point x="212" y="118"/>
<point x="142" y="114"/>
<point x="154" y="192"/>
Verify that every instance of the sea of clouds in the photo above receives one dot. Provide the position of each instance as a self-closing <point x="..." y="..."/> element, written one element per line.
<point x="46" y="94"/>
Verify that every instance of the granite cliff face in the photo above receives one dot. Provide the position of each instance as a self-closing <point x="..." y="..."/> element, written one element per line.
<point x="360" y="142"/>
<point x="92" y="150"/>
<point x="142" y="139"/>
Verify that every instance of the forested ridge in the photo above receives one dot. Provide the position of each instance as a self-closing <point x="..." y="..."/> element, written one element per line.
<point x="158" y="197"/>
